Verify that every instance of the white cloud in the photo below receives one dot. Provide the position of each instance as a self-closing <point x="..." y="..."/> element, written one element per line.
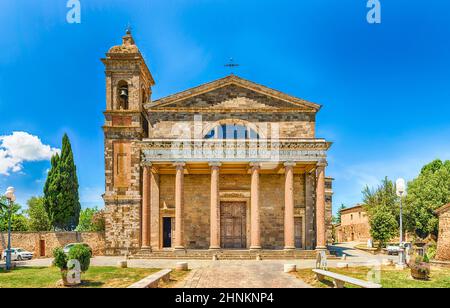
<point x="22" y="147"/>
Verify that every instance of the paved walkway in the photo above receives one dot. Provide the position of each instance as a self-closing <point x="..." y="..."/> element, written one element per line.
<point x="247" y="275"/>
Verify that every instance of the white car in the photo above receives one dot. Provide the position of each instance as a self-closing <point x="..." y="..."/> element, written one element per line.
<point x="18" y="254"/>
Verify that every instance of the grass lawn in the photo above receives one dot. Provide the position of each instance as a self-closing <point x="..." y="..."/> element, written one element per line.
<point x="390" y="278"/>
<point x="95" y="277"/>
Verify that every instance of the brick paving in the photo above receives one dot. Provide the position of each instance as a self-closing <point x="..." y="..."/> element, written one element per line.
<point x="244" y="275"/>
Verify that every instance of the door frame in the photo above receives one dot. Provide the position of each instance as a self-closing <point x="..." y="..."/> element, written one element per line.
<point x="161" y="230"/>
<point x="247" y="215"/>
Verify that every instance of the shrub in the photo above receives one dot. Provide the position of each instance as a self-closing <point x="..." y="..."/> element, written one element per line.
<point x="431" y="251"/>
<point x="82" y="254"/>
<point x="60" y="260"/>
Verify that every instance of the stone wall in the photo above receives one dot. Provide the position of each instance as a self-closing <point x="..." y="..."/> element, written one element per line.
<point x="196" y="216"/>
<point x="443" y="246"/>
<point x="32" y="241"/>
<point x="353" y="233"/>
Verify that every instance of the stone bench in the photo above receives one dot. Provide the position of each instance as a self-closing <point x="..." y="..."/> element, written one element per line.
<point x="153" y="280"/>
<point x="340" y="280"/>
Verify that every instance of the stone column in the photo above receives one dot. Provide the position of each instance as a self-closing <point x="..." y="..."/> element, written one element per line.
<point x="320" y="207"/>
<point x="289" y="233"/>
<point x="215" y="207"/>
<point x="145" y="208"/>
<point x="255" y="234"/>
<point x="309" y="211"/>
<point x="179" y="204"/>
<point x="154" y="209"/>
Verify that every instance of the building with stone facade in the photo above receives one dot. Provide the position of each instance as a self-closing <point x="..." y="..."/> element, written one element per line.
<point x="354" y="226"/>
<point x="230" y="164"/>
<point x="443" y="245"/>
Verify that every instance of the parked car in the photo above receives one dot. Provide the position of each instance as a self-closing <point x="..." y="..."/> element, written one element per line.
<point x="395" y="249"/>
<point x="67" y="248"/>
<point x="18" y="254"/>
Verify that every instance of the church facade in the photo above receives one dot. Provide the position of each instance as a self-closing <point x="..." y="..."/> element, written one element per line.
<point x="230" y="164"/>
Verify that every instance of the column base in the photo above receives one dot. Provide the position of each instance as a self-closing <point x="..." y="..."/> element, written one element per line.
<point x="179" y="248"/>
<point x="289" y="248"/>
<point x="253" y="248"/>
<point x="321" y="248"/>
<point x="146" y="248"/>
<point x="215" y="248"/>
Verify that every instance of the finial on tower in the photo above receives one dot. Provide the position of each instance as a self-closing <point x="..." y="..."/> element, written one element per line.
<point x="128" y="40"/>
<point x="129" y="28"/>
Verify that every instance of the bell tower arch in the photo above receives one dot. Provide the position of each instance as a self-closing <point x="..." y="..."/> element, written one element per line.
<point x="128" y="88"/>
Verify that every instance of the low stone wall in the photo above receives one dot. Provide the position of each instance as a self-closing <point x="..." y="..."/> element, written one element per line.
<point x="43" y="243"/>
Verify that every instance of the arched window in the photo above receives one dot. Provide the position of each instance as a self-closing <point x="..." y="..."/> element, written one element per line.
<point x="232" y="131"/>
<point x="122" y="95"/>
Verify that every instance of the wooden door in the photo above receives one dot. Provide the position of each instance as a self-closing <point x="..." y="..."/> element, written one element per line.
<point x="298" y="228"/>
<point x="42" y="248"/>
<point x="233" y="225"/>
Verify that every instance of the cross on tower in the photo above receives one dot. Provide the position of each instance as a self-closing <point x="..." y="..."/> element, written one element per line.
<point x="129" y="28"/>
<point x="231" y="65"/>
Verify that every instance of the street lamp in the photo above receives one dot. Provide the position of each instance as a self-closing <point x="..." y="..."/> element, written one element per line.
<point x="11" y="198"/>
<point x="401" y="192"/>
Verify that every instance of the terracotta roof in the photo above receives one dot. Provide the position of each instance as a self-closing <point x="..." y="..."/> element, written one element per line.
<point x="356" y="207"/>
<point x="443" y="209"/>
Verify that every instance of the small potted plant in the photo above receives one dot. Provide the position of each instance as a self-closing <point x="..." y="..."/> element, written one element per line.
<point x="420" y="268"/>
<point x="77" y="261"/>
<point x="60" y="261"/>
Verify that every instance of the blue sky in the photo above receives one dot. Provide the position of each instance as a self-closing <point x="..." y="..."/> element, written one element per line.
<point x="384" y="88"/>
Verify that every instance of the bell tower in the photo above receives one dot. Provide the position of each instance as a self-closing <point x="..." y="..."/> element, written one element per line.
<point x="128" y="89"/>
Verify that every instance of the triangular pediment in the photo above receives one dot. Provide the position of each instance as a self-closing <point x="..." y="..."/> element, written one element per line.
<point x="232" y="93"/>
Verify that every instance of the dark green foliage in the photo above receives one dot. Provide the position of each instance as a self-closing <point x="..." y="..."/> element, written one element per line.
<point x="60" y="259"/>
<point x="82" y="254"/>
<point x="38" y="218"/>
<point x="384" y="210"/>
<point x="338" y="218"/>
<point x="429" y="191"/>
<point x="91" y="220"/>
<point x="18" y="220"/>
<point x="61" y="199"/>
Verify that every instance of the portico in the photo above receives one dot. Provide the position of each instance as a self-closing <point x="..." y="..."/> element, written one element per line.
<point x="227" y="199"/>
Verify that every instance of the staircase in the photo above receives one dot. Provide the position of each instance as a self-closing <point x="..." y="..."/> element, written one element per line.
<point x="228" y="254"/>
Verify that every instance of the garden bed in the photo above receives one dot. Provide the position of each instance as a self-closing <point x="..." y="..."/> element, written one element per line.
<point x="95" y="277"/>
<point x="390" y="278"/>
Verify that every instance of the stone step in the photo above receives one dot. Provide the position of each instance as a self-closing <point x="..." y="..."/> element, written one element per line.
<point x="228" y="255"/>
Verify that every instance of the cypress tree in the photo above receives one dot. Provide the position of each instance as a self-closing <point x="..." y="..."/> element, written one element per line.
<point x="61" y="199"/>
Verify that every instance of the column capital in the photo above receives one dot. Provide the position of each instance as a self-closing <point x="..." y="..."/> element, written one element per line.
<point x="146" y="164"/>
<point x="290" y="164"/>
<point x="322" y="163"/>
<point x="179" y="165"/>
<point x="255" y="165"/>
<point x="214" y="164"/>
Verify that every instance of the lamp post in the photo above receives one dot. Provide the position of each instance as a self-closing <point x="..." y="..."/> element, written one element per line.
<point x="401" y="192"/>
<point x="11" y="198"/>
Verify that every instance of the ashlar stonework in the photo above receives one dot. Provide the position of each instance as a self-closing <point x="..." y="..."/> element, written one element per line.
<point x="229" y="164"/>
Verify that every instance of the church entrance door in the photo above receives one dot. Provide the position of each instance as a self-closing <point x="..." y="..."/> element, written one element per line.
<point x="233" y="225"/>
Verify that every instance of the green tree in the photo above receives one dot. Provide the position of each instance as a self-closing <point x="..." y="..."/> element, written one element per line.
<point x="18" y="220"/>
<point x="38" y="218"/>
<point x="61" y="198"/>
<point x="91" y="220"/>
<point x="384" y="195"/>
<point x="383" y="225"/>
<point x="383" y="208"/>
<point x="426" y="193"/>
